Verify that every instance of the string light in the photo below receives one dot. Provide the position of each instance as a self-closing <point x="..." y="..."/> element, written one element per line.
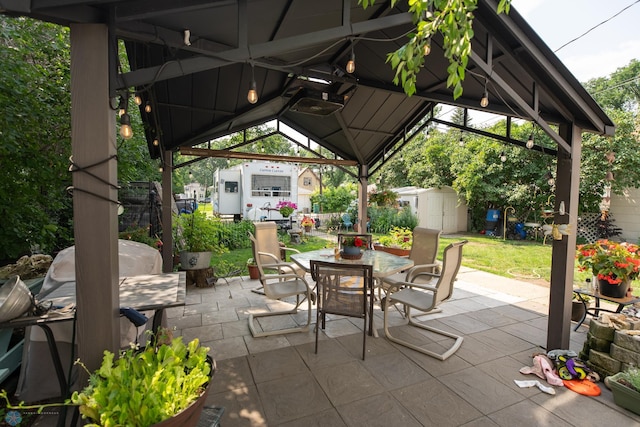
<point x="156" y="142"/>
<point x="137" y="99"/>
<point x="252" y="95"/>
<point x="125" y="126"/>
<point x="549" y="178"/>
<point x="485" y="95"/>
<point x="503" y="157"/>
<point x="147" y="107"/>
<point x="351" y="64"/>
<point x="427" y="47"/>
<point x="530" y="142"/>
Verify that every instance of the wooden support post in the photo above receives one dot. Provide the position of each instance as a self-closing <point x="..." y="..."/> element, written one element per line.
<point x="93" y="137"/>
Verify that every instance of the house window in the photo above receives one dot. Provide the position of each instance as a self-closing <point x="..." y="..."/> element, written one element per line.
<point x="306" y="182"/>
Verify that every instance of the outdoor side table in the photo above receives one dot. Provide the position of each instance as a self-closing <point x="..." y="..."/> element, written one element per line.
<point x="595" y="311"/>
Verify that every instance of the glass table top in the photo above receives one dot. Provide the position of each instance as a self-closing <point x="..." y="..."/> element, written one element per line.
<point x="384" y="263"/>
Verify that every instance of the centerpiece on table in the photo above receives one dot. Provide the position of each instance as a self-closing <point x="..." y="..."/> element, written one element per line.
<point x="286" y="208"/>
<point x="352" y="247"/>
<point x="614" y="265"/>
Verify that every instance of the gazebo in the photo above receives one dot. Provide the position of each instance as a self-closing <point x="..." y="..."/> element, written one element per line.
<point x="193" y="63"/>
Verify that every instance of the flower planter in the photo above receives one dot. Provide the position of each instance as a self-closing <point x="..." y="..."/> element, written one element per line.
<point x="254" y="273"/>
<point x="615" y="291"/>
<point x="578" y="311"/>
<point x="195" y="260"/>
<point x="623" y="395"/>
<point x="391" y="250"/>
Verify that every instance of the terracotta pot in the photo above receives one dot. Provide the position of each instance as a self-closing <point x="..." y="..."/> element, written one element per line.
<point x="254" y="273"/>
<point x="578" y="311"/>
<point x="307" y="228"/>
<point x="614" y="291"/>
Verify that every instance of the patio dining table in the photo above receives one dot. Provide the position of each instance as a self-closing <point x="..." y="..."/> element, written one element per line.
<point x="384" y="264"/>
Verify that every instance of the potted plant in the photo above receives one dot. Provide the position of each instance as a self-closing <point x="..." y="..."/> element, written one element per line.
<point x="613" y="264"/>
<point x="307" y="223"/>
<point x="397" y="242"/>
<point x="197" y="238"/>
<point x="352" y="247"/>
<point x="254" y="273"/>
<point x="286" y="208"/>
<point x="625" y="387"/>
<point x="578" y="309"/>
<point x="164" y="384"/>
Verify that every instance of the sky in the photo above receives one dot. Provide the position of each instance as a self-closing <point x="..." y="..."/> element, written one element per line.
<point x="600" y="52"/>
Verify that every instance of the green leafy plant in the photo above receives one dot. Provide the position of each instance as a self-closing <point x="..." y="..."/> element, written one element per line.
<point x="453" y="19"/>
<point x="196" y="233"/>
<point x="630" y="378"/>
<point x="142" y="387"/>
<point x="353" y="241"/>
<point x="398" y="237"/>
<point x="286" y="208"/>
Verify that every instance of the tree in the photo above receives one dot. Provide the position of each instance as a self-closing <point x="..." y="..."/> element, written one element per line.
<point x="453" y="19"/>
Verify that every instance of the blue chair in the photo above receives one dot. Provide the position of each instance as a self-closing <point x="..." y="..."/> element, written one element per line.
<point x="346" y="222"/>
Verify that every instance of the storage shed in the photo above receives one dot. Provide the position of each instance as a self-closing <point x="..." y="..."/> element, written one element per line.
<point x="437" y="208"/>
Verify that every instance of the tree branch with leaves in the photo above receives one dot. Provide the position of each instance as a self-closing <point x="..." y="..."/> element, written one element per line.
<point x="453" y="19"/>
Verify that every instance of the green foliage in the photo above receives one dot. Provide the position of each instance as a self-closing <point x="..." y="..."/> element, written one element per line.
<point x="632" y="375"/>
<point x="144" y="387"/>
<point x="336" y="199"/>
<point x="197" y="233"/>
<point x="385" y="218"/>
<point x="398" y="237"/>
<point x="384" y="198"/>
<point x="139" y="234"/>
<point x="453" y="19"/>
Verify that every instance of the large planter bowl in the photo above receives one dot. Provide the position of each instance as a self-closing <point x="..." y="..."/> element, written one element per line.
<point x="391" y="250"/>
<point x="623" y="395"/>
<point x="195" y="260"/>
<point x="614" y="291"/>
<point x="15" y="299"/>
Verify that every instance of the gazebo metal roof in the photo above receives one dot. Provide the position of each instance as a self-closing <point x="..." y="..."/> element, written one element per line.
<point x="194" y="60"/>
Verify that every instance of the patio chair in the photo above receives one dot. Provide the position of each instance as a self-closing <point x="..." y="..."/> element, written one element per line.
<point x="426" y="298"/>
<point x="272" y="253"/>
<point x="424" y="249"/>
<point x="346" y="222"/>
<point x="345" y="290"/>
<point x="278" y="286"/>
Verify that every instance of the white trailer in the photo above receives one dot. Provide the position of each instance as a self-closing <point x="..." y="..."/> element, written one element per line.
<point x="251" y="190"/>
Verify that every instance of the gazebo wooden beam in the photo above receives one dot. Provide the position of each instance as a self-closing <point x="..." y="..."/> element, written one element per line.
<point x="204" y="152"/>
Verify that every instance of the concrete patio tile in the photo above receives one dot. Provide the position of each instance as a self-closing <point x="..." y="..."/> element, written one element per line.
<point x="374" y="346"/>
<point x="466" y="305"/>
<point x="435" y="405"/>
<point x="579" y="410"/>
<point x="199" y="308"/>
<point x="516" y="313"/>
<point x="503" y="342"/>
<point x="528" y="414"/>
<point x="531" y="334"/>
<point x="275" y="364"/>
<point x="220" y="316"/>
<point x="173" y="312"/>
<point x="433" y="366"/>
<point x="347" y="382"/>
<point x="481" y="390"/>
<point x="258" y="345"/>
<point x="243" y="407"/>
<point x="480" y="422"/>
<point x="330" y="353"/>
<point x="227" y="348"/>
<point x="506" y="370"/>
<point x="185" y="322"/>
<point x="381" y="410"/>
<point x="488" y="302"/>
<point x="238" y="328"/>
<point x="491" y="318"/>
<point x="394" y="370"/>
<point x="292" y="397"/>
<point x="464" y="324"/>
<point x="193" y="297"/>
<point x="231" y="374"/>
<point x="339" y="328"/>
<point x="477" y="351"/>
<point x="233" y="302"/>
<point x="203" y="333"/>
<point x="305" y="337"/>
<point x="328" y="418"/>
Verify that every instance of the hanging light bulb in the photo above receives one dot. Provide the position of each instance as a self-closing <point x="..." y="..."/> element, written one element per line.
<point x="427" y="48"/>
<point x="160" y="168"/>
<point x="530" y="142"/>
<point x="137" y="99"/>
<point x="156" y="142"/>
<point x="122" y="107"/>
<point x="252" y="95"/>
<point x="503" y="157"/>
<point x="147" y="107"/>
<point x="549" y="178"/>
<point x="125" y="126"/>
<point x="485" y="99"/>
<point x="351" y="64"/>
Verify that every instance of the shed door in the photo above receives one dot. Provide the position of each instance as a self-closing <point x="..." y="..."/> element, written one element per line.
<point x="449" y="214"/>
<point x="434" y="210"/>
